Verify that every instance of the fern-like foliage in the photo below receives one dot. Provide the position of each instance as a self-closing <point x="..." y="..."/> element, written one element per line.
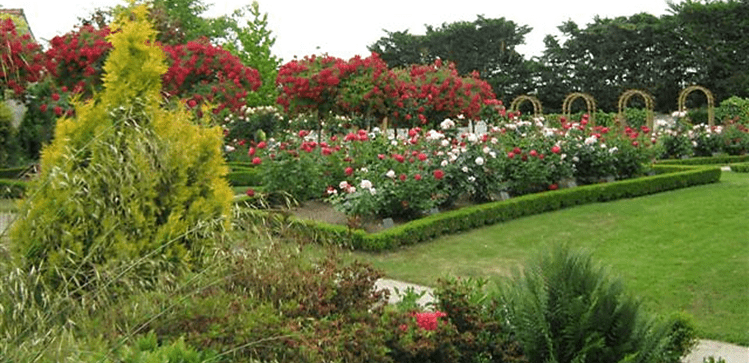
<point x="565" y="308"/>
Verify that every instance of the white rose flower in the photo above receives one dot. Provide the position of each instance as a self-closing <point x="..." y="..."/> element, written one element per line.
<point x="473" y="138"/>
<point x="494" y="140"/>
<point x="493" y="154"/>
<point x="486" y="149"/>
<point x="445" y="143"/>
<point x="465" y="169"/>
<point x="343" y="185"/>
<point x="444" y="163"/>
<point x="471" y="179"/>
<point x="372" y="191"/>
<point x="390" y="174"/>
<point x="229" y="148"/>
<point x="364" y="170"/>
<point x="479" y="161"/>
<point x="447" y="124"/>
<point x="365" y="184"/>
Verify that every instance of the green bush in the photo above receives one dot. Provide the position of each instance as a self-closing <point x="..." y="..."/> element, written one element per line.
<point x="38" y="124"/>
<point x="12" y="189"/>
<point x="125" y="180"/>
<point x="740" y="168"/>
<point x="269" y="304"/>
<point x="244" y="177"/>
<point x="14" y="173"/>
<point x="712" y="160"/>
<point x="682" y="337"/>
<point x="733" y="108"/>
<point x="564" y="308"/>
<point x="7" y="135"/>
<point x="636" y="117"/>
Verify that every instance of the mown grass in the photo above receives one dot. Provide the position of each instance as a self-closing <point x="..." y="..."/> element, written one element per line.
<point x="683" y="250"/>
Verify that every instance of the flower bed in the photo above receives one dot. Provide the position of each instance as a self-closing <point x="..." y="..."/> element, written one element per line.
<point x="427" y="228"/>
<point x="404" y="173"/>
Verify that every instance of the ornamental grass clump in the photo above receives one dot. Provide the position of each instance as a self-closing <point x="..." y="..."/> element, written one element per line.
<point x="126" y="186"/>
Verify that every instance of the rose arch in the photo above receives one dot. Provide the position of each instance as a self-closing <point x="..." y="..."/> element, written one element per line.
<point x="590" y="104"/>
<point x="626" y="96"/>
<point x="710" y="101"/>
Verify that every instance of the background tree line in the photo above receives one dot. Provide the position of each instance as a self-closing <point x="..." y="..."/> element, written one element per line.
<point x="698" y="42"/>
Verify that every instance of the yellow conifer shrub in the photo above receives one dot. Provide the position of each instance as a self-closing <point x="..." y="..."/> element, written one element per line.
<point x="126" y="185"/>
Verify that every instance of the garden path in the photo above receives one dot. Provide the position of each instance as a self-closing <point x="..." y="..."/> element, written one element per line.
<point x="731" y="353"/>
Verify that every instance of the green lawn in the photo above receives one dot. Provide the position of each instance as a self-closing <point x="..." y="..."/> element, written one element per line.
<point x="681" y="250"/>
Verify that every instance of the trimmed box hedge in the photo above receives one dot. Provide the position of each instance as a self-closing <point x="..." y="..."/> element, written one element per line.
<point x="12" y="188"/>
<point x="242" y="176"/>
<point x="740" y="168"/>
<point x="433" y="226"/>
<point x="706" y="160"/>
<point x="13" y="173"/>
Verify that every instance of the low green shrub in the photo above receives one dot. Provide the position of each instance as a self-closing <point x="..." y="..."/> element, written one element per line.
<point x="682" y="337"/>
<point x="564" y="308"/>
<point x="13" y="173"/>
<point x="733" y="108"/>
<point x="740" y="167"/>
<point x="269" y="304"/>
<point x="707" y="160"/>
<point x="244" y="177"/>
<point x="12" y="188"/>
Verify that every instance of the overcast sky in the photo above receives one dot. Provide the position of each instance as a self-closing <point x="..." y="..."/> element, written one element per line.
<point x="344" y="28"/>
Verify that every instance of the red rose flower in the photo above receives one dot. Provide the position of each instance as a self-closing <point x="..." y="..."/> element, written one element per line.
<point x="402" y="177"/>
<point x="191" y="103"/>
<point x="417" y="177"/>
<point x="256" y="161"/>
<point x="55" y="97"/>
<point x="43" y="107"/>
<point x="261" y="145"/>
<point x="250" y="192"/>
<point x="349" y="170"/>
<point x="556" y="149"/>
<point x="553" y="187"/>
<point x="439" y="174"/>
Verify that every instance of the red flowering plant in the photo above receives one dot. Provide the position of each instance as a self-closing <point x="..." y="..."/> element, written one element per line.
<point x="368" y="89"/>
<point x="431" y="93"/>
<point x="311" y="84"/>
<point x="75" y="59"/>
<point x="381" y="178"/>
<point x="21" y="59"/>
<point x="200" y="72"/>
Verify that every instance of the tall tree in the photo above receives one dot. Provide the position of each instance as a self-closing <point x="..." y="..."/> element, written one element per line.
<point x="252" y="44"/>
<point x="714" y="35"/>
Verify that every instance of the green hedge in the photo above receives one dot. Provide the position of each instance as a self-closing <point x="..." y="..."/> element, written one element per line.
<point x="12" y="188"/>
<point x="13" y="173"/>
<point x="707" y="160"/>
<point x="436" y="225"/>
<point x="240" y="176"/>
<point x="740" y="168"/>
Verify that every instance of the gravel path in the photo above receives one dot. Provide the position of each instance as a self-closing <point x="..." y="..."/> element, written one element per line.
<point x="706" y="348"/>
